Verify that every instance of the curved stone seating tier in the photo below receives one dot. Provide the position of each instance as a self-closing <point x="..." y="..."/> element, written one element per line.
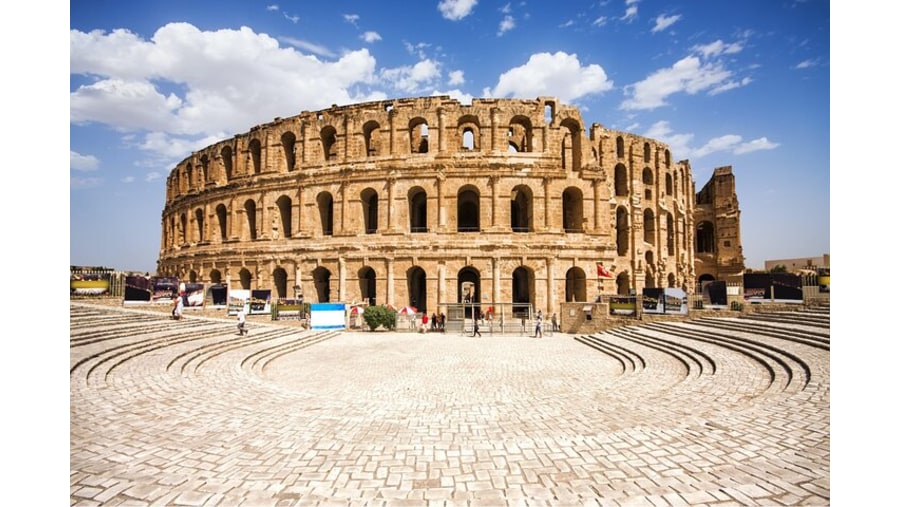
<point x="188" y="412"/>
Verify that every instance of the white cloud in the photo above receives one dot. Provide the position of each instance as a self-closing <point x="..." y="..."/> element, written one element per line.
<point x="506" y="24"/>
<point x="370" y="37"/>
<point x="128" y="179"/>
<point x="807" y="64"/>
<point x="663" y="22"/>
<point x="679" y="144"/>
<point x="559" y="74"/>
<point x="80" y="162"/>
<point x="718" y="48"/>
<point x="77" y="183"/>
<point x="410" y="79"/>
<point x="292" y="19"/>
<point x="688" y="75"/>
<point x="600" y="21"/>
<point x="631" y="11"/>
<point x="463" y="98"/>
<point x="273" y="7"/>
<point x="351" y="18"/>
<point x="316" y="49"/>
<point x="189" y="82"/>
<point x="456" y="78"/>
<point x="454" y="10"/>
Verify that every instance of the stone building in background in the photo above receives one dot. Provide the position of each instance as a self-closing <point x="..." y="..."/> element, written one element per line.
<point x="419" y="201"/>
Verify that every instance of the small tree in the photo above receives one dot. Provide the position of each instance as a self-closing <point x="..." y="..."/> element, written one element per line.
<point x="376" y="316"/>
<point x="779" y="268"/>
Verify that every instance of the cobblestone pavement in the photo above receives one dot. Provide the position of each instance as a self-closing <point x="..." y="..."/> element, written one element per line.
<point x="188" y="413"/>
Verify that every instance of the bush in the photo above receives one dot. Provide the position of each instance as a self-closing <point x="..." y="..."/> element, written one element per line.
<point x="376" y="316"/>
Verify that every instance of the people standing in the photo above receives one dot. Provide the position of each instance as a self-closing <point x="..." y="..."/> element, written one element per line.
<point x="475" y="328"/>
<point x="538" y="331"/>
<point x="553" y="323"/>
<point x="179" y="308"/>
<point x="434" y="321"/>
<point x="242" y="322"/>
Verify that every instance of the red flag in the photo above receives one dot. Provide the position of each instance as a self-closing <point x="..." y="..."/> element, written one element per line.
<point x="602" y="272"/>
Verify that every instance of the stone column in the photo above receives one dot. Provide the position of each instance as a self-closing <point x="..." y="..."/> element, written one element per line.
<point x="392" y="138"/>
<point x="495" y="280"/>
<point x="442" y="283"/>
<point x="342" y="279"/>
<point x="552" y="299"/>
<point x="546" y="189"/>
<point x="391" y="181"/>
<point x="597" y="204"/>
<point x="495" y="129"/>
<point x="441" y="211"/>
<point x="442" y="141"/>
<point x="389" y="265"/>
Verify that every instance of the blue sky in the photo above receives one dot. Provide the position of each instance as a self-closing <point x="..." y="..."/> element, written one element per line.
<point x="745" y="84"/>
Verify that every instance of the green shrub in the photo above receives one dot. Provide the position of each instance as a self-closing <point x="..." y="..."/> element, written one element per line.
<point x="376" y="316"/>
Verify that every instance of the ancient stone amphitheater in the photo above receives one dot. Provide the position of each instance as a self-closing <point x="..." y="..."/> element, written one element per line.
<point x="426" y="201"/>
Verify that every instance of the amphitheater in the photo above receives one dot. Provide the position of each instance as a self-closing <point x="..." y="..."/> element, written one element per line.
<point x="425" y="201"/>
<point x="711" y="411"/>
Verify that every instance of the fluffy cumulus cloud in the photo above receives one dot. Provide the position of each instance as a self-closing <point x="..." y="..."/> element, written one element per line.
<point x="559" y="74"/>
<point x="701" y="72"/>
<point x="506" y="24"/>
<point x="457" y="77"/>
<point x="631" y="11"/>
<point x="454" y="10"/>
<point x="370" y="37"/>
<point x="79" y="162"/>
<point x="193" y="84"/>
<point x="414" y="78"/>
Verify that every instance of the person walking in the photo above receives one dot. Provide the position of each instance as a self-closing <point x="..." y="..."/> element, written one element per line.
<point x="538" y="331"/>
<point x="242" y="322"/>
<point x="475" y="328"/>
<point x="178" y="311"/>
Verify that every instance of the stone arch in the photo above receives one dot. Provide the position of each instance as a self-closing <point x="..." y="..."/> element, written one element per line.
<point x="621" y="230"/>
<point x="289" y="144"/>
<point x="418" y="209"/>
<point x="215" y="276"/>
<point x="647" y="179"/>
<point x="519" y="134"/>
<point x="647" y="155"/>
<point x="468" y="288"/>
<point x="227" y="162"/>
<point x="623" y="284"/>
<point x="279" y="278"/>
<point x="250" y="212"/>
<point x="706" y="237"/>
<point x="369" y="199"/>
<point x="222" y="218"/>
<point x="620" y="147"/>
<point x="418" y="135"/>
<point x="256" y="156"/>
<point x="573" y="210"/>
<point x="649" y="226"/>
<point x="285" y="204"/>
<point x="468" y="210"/>
<point x="198" y="219"/>
<point x="571" y="144"/>
<point x="204" y="170"/>
<point x="671" y="280"/>
<point x="576" y="285"/>
<point x="522" y="290"/>
<point x="417" y="288"/>
<point x="668" y="184"/>
<point x="372" y="137"/>
<point x="670" y="234"/>
<point x="245" y="278"/>
<point x="192" y="276"/>
<point x="328" y="136"/>
<point x="621" y="180"/>
<point x="469" y="131"/>
<point x="183" y="229"/>
<point x="367" y="285"/>
<point x="326" y="212"/>
<point x="521" y="213"/>
<point x="322" y="282"/>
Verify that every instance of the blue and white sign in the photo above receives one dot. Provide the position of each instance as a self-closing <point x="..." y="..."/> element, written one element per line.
<point x="327" y="315"/>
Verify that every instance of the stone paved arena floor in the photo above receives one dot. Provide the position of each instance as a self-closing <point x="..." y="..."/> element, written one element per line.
<point x="188" y="413"/>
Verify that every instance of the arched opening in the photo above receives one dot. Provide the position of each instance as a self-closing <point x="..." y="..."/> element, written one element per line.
<point x="521" y="209"/>
<point x="256" y="156"/>
<point x="706" y="238"/>
<point x="198" y="219"/>
<point x="647" y="178"/>
<point x="519" y="135"/>
<point x="671" y="280"/>
<point x="646" y="153"/>
<point x="367" y="289"/>
<point x="623" y="284"/>
<point x="250" y="212"/>
<point x="621" y="180"/>
<point x="468" y="289"/>
<point x="468" y="212"/>
<point x="418" y="210"/>
<point x="621" y="231"/>
<point x="522" y="291"/>
<point x="204" y="170"/>
<point x="417" y="289"/>
<point x="222" y="218"/>
<point x="668" y="184"/>
<point x="620" y="147"/>
<point x="670" y="235"/>
<point x="288" y="142"/>
<point x="192" y="277"/>
<point x="468" y="139"/>
<point x="468" y="129"/>
<point x="246" y="278"/>
<point x="183" y="229"/>
<point x="284" y="211"/>
<point x="573" y="210"/>
<point x="649" y="227"/>
<point x="369" y="199"/>
<point x="215" y="276"/>
<point x="418" y="135"/>
<point x="279" y="276"/>
<point x="322" y="283"/>
<point x="372" y="136"/>
<point x="228" y="162"/>
<point x="326" y="213"/>
<point x="571" y="145"/>
<point x="576" y="285"/>
<point x="328" y="135"/>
